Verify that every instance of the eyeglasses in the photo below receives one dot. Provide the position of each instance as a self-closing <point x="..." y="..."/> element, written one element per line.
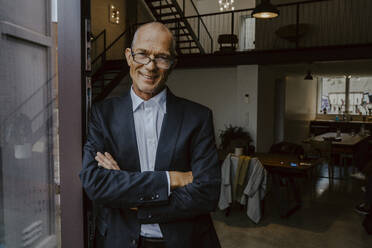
<point x="160" y="62"/>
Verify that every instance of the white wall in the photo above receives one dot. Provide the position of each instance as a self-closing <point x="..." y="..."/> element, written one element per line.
<point x="247" y="83"/>
<point x="266" y="96"/>
<point x="222" y="90"/>
<point x="300" y="107"/>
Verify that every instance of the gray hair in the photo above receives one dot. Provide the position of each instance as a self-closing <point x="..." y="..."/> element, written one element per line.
<point x="173" y="46"/>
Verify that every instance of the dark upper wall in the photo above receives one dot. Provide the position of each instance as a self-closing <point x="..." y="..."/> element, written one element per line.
<point x="100" y="21"/>
<point x="130" y="12"/>
<point x="336" y="22"/>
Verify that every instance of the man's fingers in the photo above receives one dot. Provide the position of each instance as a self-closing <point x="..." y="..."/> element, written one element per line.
<point x="104" y="161"/>
<point x="107" y="161"/>
<point x="101" y="162"/>
<point x="108" y="155"/>
<point x="180" y="179"/>
<point x="112" y="160"/>
<point x="189" y="177"/>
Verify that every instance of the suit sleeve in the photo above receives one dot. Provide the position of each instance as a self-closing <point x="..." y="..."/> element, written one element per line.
<point x="118" y="188"/>
<point x="199" y="197"/>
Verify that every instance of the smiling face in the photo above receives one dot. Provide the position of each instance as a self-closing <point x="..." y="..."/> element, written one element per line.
<point x="153" y="40"/>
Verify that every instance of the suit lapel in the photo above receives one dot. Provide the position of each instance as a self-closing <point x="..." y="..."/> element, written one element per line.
<point x="169" y="133"/>
<point x="127" y="136"/>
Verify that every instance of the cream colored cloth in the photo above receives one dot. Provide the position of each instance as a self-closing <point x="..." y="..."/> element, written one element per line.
<point x="255" y="189"/>
<point x="251" y="176"/>
<point x="225" y="194"/>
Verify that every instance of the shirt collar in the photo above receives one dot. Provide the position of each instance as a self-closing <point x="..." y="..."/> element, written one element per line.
<point x="160" y="99"/>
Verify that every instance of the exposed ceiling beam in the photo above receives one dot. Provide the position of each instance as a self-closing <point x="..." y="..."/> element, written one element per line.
<point x="284" y="56"/>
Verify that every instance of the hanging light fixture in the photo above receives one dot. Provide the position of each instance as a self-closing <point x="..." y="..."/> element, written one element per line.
<point x="308" y="76"/>
<point x="226" y="5"/>
<point x="265" y="10"/>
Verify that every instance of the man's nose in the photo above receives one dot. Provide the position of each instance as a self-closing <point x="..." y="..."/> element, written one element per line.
<point x="151" y="66"/>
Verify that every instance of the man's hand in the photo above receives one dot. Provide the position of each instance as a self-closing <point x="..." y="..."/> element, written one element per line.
<point x="179" y="179"/>
<point x="107" y="161"/>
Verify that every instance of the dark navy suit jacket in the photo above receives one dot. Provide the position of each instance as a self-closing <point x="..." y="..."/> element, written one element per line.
<point x="186" y="143"/>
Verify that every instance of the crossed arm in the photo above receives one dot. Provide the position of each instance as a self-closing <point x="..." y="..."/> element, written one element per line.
<point x="193" y="193"/>
<point x="177" y="179"/>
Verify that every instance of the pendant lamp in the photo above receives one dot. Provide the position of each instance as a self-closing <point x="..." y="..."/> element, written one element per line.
<point x="265" y="10"/>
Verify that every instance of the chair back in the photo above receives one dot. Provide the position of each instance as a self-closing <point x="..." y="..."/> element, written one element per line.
<point x="287" y="148"/>
<point x="324" y="148"/>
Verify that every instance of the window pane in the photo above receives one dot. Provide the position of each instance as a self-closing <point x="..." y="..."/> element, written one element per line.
<point x="332" y="95"/>
<point x="360" y="98"/>
<point x="28" y="128"/>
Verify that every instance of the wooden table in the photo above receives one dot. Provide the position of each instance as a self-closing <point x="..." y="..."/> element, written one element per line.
<point x="346" y="139"/>
<point x="284" y="169"/>
<point x="350" y="146"/>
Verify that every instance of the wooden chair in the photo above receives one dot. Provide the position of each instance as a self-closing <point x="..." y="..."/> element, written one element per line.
<point x="228" y="42"/>
<point x="324" y="149"/>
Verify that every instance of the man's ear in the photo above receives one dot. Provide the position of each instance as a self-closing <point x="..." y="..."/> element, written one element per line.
<point x="174" y="64"/>
<point x="128" y="56"/>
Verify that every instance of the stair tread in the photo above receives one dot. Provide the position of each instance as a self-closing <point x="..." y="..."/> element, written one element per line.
<point x="175" y="28"/>
<point x="185" y="41"/>
<point x="163" y="6"/>
<point x="168" y="14"/>
<point x="174" y="20"/>
<point x="192" y="47"/>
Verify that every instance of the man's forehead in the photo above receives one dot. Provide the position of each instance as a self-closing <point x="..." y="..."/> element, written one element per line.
<point x="153" y="40"/>
<point x="154" y="34"/>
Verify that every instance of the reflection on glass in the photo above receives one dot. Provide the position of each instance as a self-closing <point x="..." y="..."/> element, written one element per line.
<point x="332" y="95"/>
<point x="360" y="95"/>
<point x="27" y="100"/>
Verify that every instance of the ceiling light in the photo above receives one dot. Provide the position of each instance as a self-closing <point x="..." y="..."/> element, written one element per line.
<point x="226" y="5"/>
<point x="265" y="10"/>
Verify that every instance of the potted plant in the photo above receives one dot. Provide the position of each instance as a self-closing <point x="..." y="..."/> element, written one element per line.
<point x="235" y="137"/>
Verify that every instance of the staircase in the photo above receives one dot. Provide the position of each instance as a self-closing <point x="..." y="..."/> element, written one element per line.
<point x="107" y="74"/>
<point x="172" y="15"/>
<point x="107" y="77"/>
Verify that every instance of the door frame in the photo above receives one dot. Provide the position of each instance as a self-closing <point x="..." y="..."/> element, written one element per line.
<point x="70" y="122"/>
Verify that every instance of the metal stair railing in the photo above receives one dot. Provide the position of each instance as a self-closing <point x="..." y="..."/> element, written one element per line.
<point x="200" y="25"/>
<point x="172" y="13"/>
<point x="96" y="39"/>
<point x="99" y="67"/>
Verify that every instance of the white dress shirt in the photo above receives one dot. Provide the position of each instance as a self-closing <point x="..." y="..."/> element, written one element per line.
<point x="148" y="118"/>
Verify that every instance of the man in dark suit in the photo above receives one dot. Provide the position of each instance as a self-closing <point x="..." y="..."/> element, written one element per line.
<point x="150" y="163"/>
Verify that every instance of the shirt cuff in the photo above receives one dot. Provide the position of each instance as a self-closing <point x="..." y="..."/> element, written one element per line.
<point x="168" y="178"/>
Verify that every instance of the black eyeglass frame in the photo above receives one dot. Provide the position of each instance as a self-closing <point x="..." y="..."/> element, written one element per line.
<point x="171" y="60"/>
